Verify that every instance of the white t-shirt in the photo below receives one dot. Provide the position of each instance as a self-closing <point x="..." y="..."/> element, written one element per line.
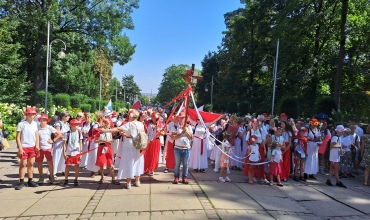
<point x="278" y="139"/>
<point x="359" y="131"/>
<point x="28" y="133"/>
<point x="183" y="141"/>
<point x="277" y="153"/>
<point x="346" y="143"/>
<point x="73" y="145"/>
<point x="45" y="135"/>
<point x="254" y="157"/>
<point x="286" y="135"/>
<point x="334" y="152"/>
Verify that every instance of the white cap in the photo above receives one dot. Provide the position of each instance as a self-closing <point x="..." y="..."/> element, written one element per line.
<point x="340" y="128"/>
<point x="248" y="116"/>
<point x="107" y="113"/>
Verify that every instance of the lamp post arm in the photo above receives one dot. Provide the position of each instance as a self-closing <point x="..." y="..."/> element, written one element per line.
<point x="51" y="43"/>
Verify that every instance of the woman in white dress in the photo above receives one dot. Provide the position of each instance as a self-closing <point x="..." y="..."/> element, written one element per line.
<point x="198" y="156"/>
<point x="312" y="162"/>
<point x="85" y="128"/>
<point x="91" y="160"/>
<point x="58" y="159"/>
<point x="240" y="146"/>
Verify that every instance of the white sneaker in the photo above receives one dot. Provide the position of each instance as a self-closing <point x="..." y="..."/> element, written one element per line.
<point x="216" y="170"/>
<point x="221" y="179"/>
<point x="227" y="179"/>
<point x="137" y="184"/>
<point x="128" y="185"/>
<point x="266" y="181"/>
<point x="228" y="171"/>
<point x="166" y="170"/>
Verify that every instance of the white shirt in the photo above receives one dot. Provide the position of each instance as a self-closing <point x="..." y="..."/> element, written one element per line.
<point x="355" y="138"/>
<point x="183" y="141"/>
<point x="278" y="139"/>
<point x="28" y="133"/>
<point x="277" y="153"/>
<point x="45" y="135"/>
<point x="73" y="145"/>
<point x="254" y="157"/>
<point x="334" y="152"/>
<point x="346" y="143"/>
<point x="359" y="131"/>
<point x="258" y="133"/>
<point x="286" y="135"/>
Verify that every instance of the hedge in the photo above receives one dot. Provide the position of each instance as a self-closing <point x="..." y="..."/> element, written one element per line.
<point x="39" y="98"/>
<point x="62" y="99"/>
<point x="92" y="103"/>
<point x="76" y="101"/>
<point x="85" y="107"/>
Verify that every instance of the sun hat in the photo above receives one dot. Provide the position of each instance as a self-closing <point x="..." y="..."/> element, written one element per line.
<point x="339" y="128"/>
<point x="314" y="121"/>
<point x="74" y="122"/>
<point x="30" y="111"/>
<point x="44" y="116"/>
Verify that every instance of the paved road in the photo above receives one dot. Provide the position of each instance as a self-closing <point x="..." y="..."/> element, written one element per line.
<point x="203" y="198"/>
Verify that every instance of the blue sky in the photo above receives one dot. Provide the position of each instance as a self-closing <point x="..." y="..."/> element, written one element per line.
<point x="173" y="32"/>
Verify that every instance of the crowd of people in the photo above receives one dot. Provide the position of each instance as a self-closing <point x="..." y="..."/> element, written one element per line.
<point x="266" y="149"/>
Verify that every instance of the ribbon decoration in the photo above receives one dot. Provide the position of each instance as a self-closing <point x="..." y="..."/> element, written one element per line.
<point x="201" y="143"/>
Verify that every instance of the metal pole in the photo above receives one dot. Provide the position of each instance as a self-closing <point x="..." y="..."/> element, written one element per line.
<point x="275" y="72"/>
<point x="100" y="89"/>
<point x="47" y="70"/>
<point x="116" y="95"/>
<point x="211" y="95"/>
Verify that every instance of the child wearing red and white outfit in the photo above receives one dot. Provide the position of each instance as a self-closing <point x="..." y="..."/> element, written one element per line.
<point x="46" y="142"/>
<point x="300" y="153"/>
<point x="274" y="168"/>
<point x="225" y="159"/>
<point x="28" y="147"/>
<point x="72" y="147"/>
<point x="253" y="156"/>
<point x="105" y="153"/>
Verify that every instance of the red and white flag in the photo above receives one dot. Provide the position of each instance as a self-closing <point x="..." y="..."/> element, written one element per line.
<point x="137" y="104"/>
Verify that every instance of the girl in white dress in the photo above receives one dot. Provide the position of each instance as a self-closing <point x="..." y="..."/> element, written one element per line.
<point x="312" y="162"/>
<point x="58" y="159"/>
<point x="198" y="156"/>
<point x="93" y="154"/>
<point x="240" y="146"/>
<point x="85" y="132"/>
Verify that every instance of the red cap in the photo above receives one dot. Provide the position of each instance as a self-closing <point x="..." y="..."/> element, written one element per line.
<point x="114" y="114"/>
<point x="265" y="114"/>
<point x="30" y="111"/>
<point x="154" y="115"/>
<point x="44" y="116"/>
<point x="283" y="115"/>
<point x="74" y="122"/>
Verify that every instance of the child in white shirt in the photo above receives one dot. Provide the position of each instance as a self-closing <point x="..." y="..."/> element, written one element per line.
<point x="225" y="159"/>
<point x="275" y="169"/>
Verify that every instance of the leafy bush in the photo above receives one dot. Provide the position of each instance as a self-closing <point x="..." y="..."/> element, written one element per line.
<point x="75" y="101"/>
<point x="232" y="107"/>
<point x="39" y="98"/>
<point x="92" y="103"/>
<point x="62" y="99"/>
<point x="289" y="106"/>
<point x="85" y="107"/>
<point x="325" y="105"/>
<point x="83" y="98"/>
<point x="243" y="108"/>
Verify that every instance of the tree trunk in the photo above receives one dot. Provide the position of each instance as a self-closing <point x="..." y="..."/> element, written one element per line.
<point x="342" y="44"/>
<point x="40" y="78"/>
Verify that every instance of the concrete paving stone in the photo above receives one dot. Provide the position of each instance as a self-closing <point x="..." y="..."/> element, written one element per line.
<point x="121" y="214"/>
<point x="220" y="211"/>
<point x="168" y="188"/>
<point x="70" y="192"/>
<point x="241" y="211"/>
<point x="211" y="211"/>
<point x="31" y="192"/>
<point x="11" y="218"/>
<point x="338" y="192"/>
<point x="252" y="212"/>
<point x="38" y="217"/>
<point x="208" y="206"/>
<point x="296" y="217"/>
<point x="87" y="211"/>
<point x="85" y="216"/>
<point x="199" y="211"/>
<point x="113" y="190"/>
<point x="180" y="217"/>
<point x="57" y="205"/>
<point x="261" y="212"/>
<point x="109" y="214"/>
<point x="144" y="213"/>
<point x="212" y="215"/>
<point x="8" y="208"/>
<point x="156" y="213"/>
<point x="239" y="216"/>
<point x="167" y="213"/>
<point x="361" y="204"/>
<point x="118" y="218"/>
<point x="187" y="212"/>
<point x="132" y="213"/>
<point x="61" y="216"/>
<point x="24" y="218"/>
<point x="303" y="193"/>
<point x="231" y="211"/>
<point x="90" y="207"/>
<point x="334" y="209"/>
<point x="187" y="201"/>
<point x="260" y="190"/>
<point x="281" y="213"/>
<point x="278" y="203"/>
<point x="73" y="216"/>
<point x="126" y="203"/>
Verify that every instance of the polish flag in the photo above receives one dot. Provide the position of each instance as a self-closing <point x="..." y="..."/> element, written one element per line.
<point x="137" y="104"/>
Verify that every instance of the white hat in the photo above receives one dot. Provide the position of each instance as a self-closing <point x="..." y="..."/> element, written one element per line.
<point x="248" y="116"/>
<point x="340" y="128"/>
<point x="107" y="113"/>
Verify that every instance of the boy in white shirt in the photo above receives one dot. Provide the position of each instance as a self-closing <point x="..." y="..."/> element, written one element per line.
<point x="72" y="147"/>
<point x="46" y="142"/>
<point x="28" y="147"/>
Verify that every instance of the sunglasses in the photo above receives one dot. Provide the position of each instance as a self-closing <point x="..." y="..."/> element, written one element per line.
<point x="78" y="116"/>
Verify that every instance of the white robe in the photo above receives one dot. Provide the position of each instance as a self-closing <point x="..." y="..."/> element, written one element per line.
<point x="58" y="157"/>
<point x="198" y="161"/>
<point x="85" y="147"/>
<point x="132" y="161"/>
<point x="91" y="161"/>
<point x="312" y="163"/>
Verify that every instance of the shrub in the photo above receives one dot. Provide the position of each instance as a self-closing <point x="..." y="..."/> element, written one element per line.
<point x="232" y="107"/>
<point x="62" y="99"/>
<point x="83" y="98"/>
<point x="85" y="107"/>
<point x="289" y="106"/>
<point x="39" y="98"/>
<point x="92" y="103"/>
<point x="244" y="108"/>
<point x="325" y="105"/>
<point x="75" y="101"/>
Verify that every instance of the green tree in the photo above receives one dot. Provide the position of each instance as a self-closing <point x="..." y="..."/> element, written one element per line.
<point x="144" y="99"/>
<point x="131" y="89"/>
<point x="172" y="83"/>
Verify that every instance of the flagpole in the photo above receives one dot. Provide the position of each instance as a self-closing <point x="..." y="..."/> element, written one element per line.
<point x="188" y="96"/>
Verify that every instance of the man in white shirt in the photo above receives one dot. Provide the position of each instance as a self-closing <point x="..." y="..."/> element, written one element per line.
<point x="28" y="147"/>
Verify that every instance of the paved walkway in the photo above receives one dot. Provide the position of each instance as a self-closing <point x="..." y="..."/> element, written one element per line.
<point x="158" y="198"/>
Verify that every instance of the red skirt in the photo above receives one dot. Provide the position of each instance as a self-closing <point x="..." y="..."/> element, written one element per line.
<point x="104" y="159"/>
<point x="151" y="156"/>
<point x="285" y="165"/>
<point x="274" y="168"/>
<point x="249" y="167"/>
<point x="170" y="156"/>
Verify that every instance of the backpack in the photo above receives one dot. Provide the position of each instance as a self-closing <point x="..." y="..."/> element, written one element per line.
<point x="140" y="142"/>
<point x="69" y="133"/>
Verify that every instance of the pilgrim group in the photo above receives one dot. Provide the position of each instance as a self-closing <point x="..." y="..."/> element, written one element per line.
<point x="265" y="149"/>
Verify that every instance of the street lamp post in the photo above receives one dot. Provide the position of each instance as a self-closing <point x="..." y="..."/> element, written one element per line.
<point x="116" y="95"/>
<point x="61" y="55"/>
<point x="206" y="89"/>
<point x="100" y="89"/>
<point x="265" y="69"/>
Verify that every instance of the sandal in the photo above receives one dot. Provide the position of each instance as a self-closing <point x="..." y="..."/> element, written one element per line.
<point x="115" y="182"/>
<point x="252" y="182"/>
